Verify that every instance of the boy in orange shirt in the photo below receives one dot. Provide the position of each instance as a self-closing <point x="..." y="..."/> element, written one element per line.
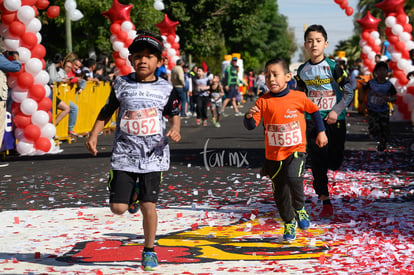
<point x="282" y="111"/>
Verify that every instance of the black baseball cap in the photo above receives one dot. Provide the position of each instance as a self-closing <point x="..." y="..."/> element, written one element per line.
<point x="145" y="41"/>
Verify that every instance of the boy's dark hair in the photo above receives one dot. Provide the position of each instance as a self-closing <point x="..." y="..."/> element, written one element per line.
<point x="316" y="28"/>
<point x="90" y="62"/>
<point x="380" y="65"/>
<point x="280" y="61"/>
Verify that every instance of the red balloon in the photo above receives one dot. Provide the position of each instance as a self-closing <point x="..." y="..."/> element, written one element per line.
<point x="365" y="35"/>
<point x="349" y="11"/>
<point x="118" y="12"/>
<point x="53" y="11"/>
<point x="37" y="92"/>
<point x="42" y="4"/>
<point x="42" y="144"/>
<point x="402" y="19"/>
<point x="401" y="77"/>
<point x="15" y="107"/>
<point x="338" y="1"/>
<point x="126" y="70"/>
<point x="50" y="116"/>
<point x="391" y="6"/>
<point x="405" y="55"/>
<point x="31" y="132"/>
<point x="344" y="4"/>
<point x="21" y="120"/>
<point x="38" y="51"/>
<point x="176" y="45"/>
<point x="392" y="39"/>
<point x="400" y="46"/>
<point x="376" y="48"/>
<point x="45" y="104"/>
<point x="128" y="42"/>
<point x="8" y="17"/>
<point x="408" y="28"/>
<point x="115" y="28"/>
<point x="122" y="36"/>
<point x="167" y="26"/>
<point x="369" y="22"/>
<point x="171" y="38"/>
<point x="28" y="2"/>
<point x="17" y="28"/>
<point x="120" y="62"/>
<point x="29" y="40"/>
<point x="115" y="55"/>
<point x="25" y="80"/>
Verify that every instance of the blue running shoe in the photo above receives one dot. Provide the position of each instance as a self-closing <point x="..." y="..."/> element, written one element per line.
<point x="290" y="231"/>
<point x="303" y="218"/>
<point x="134" y="206"/>
<point x="149" y="261"/>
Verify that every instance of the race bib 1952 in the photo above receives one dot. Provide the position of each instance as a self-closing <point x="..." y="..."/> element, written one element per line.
<point x="144" y="122"/>
<point x="284" y="135"/>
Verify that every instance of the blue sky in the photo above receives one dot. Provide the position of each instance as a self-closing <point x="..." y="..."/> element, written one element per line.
<point x="338" y="25"/>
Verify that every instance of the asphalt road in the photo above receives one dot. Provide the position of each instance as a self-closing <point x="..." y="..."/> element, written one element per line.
<point x="223" y="161"/>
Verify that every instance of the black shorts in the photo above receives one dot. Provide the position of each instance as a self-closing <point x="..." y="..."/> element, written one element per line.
<point x="121" y="186"/>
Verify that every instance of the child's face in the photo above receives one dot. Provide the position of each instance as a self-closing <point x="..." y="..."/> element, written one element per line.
<point x="216" y="79"/>
<point x="200" y="73"/>
<point x="315" y="44"/>
<point x="145" y="64"/>
<point x="276" y="78"/>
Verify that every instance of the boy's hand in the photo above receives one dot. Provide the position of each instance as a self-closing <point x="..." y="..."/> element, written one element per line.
<point x="90" y="144"/>
<point x="174" y="134"/>
<point x="332" y="117"/>
<point x="252" y="111"/>
<point x="321" y="139"/>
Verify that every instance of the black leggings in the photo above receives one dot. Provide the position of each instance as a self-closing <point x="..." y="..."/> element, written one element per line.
<point x="327" y="157"/>
<point x="287" y="184"/>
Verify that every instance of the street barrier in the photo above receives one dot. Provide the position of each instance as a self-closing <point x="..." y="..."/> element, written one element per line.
<point x="89" y="101"/>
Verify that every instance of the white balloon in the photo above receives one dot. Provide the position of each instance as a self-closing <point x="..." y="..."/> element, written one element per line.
<point x="25" y="147"/>
<point x="371" y="55"/>
<point x="397" y="29"/>
<point x="366" y="49"/>
<point x="405" y="36"/>
<point x="409" y="45"/>
<point x="33" y="66"/>
<point x="75" y="15"/>
<point x="26" y="14"/>
<point x="19" y="133"/>
<point x="362" y="43"/>
<point x="48" y="90"/>
<point x="34" y="26"/>
<point x="41" y="78"/>
<point x="39" y="37"/>
<point x="48" y="130"/>
<point x="167" y="45"/>
<point x="11" y="44"/>
<point x="112" y="38"/>
<point x="28" y="106"/>
<point x="177" y="38"/>
<point x="132" y="34"/>
<point x="12" y="5"/>
<point x="158" y="5"/>
<point x="117" y="46"/>
<point x="70" y="5"/>
<point x="174" y="59"/>
<point x="395" y="57"/>
<point x="378" y="41"/>
<point x="123" y="53"/>
<point x="18" y="96"/>
<point x="40" y="118"/>
<point x="164" y="38"/>
<point x="374" y="35"/>
<point x="24" y="54"/>
<point x="402" y="64"/>
<point x="171" y="52"/>
<point x="390" y="21"/>
<point x="127" y="26"/>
